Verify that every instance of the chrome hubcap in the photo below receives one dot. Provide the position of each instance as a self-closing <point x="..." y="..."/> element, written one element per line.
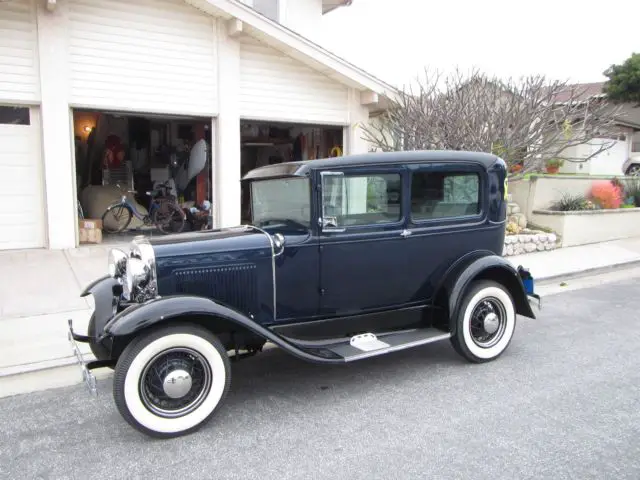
<point x="177" y="384"/>
<point x="488" y="322"/>
<point x="491" y="323"/>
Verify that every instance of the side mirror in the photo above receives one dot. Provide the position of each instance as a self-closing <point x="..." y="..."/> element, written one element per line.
<point x="278" y="243"/>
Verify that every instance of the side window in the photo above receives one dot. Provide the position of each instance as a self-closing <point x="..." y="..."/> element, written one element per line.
<point x="444" y="194"/>
<point x="355" y="200"/>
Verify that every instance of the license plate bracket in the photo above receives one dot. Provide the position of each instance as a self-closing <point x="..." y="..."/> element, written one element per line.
<point x="88" y="377"/>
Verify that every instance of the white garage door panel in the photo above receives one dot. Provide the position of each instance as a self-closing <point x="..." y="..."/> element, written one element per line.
<point x="148" y="55"/>
<point x="21" y="192"/>
<point x="18" y="52"/>
<point x="276" y="87"/>
<point x="610" y="161"/>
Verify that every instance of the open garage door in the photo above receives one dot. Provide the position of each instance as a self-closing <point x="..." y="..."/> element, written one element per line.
<point x="21" y="187"/>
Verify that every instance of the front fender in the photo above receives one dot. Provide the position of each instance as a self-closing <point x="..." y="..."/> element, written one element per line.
<point x="154" y="312"/>
<point x="103" y="290"/>
<point x="485" y="267"/>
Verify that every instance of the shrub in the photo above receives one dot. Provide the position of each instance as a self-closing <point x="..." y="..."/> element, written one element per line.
<point x="632" y="190"/>
<point x="569" y="203"/>
<point x="606" y="194"/>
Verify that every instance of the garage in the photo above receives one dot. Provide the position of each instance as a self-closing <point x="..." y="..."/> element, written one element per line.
<point x="104" y="98"/>
<point x="21" y="187"/>
<point x="151" y="160"/>
<point x="143" y="90"/>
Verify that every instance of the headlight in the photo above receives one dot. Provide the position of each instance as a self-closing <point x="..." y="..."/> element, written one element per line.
<point x="117" y="262"/>
<point x="137" y="274"/>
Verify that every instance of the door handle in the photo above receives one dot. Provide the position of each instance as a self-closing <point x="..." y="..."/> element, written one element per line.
<point x="405" y="233"/>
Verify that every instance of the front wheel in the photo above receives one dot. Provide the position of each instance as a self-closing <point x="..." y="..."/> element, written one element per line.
<point x="485" y="322"/>
<point x="116" y="218"/>
<point x="170" y="382"/>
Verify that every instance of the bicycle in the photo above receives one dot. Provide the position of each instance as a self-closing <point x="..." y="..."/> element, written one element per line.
<point x="163" y="209"/>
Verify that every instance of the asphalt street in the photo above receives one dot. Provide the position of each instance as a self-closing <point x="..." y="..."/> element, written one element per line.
<point x="562" y="402"/>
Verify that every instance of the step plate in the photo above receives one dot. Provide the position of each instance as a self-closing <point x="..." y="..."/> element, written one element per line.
<point x="367" y="342"/>
<point x="368" y="345"/>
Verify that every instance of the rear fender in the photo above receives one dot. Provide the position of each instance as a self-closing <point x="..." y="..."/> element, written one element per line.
<point x="480" y="266"/>
<point x="210" y="314"/>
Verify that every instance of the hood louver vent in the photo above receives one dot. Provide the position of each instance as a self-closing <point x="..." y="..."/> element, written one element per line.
<point x="235" y="286"/>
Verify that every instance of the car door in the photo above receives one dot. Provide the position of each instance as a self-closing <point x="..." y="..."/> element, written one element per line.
<point x="447" y="219"/>
<point x="283" y="208"/>
<point x="361" y="239"/>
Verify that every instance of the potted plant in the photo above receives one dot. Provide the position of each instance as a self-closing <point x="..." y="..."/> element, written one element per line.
<point x="553" y="165"/>
<point x="515" y="168"/>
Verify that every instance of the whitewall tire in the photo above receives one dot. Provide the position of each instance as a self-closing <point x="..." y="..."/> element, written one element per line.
<point x="485" y="322"/>
<point x="171" y="381"/>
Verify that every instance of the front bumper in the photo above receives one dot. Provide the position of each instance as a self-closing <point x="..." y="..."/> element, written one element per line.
<point x="85" y="367"/>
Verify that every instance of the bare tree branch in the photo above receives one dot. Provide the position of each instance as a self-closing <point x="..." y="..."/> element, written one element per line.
<point x="526" y="122"/>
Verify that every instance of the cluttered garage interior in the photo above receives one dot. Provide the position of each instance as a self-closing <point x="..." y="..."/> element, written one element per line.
<point x="145" y="164"/>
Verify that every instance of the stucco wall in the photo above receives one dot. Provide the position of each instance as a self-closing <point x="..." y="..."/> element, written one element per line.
<point x="580" y="228"/>
<point x="539" y="192"/>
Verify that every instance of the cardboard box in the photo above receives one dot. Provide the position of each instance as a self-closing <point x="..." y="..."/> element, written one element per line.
<point x="90" y="230"/>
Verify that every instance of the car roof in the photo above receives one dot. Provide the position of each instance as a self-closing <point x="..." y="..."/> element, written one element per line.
<point x="304" y="168"/>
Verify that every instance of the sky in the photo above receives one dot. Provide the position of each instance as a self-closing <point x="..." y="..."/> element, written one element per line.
<point x="396" y="40"/>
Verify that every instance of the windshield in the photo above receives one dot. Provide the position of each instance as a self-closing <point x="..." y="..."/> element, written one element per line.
<point x="282" y="201"/>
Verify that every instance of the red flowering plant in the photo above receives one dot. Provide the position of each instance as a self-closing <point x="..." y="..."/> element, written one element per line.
<point x="606" y="194"/>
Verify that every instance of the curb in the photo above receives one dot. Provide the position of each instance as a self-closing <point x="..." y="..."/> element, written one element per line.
<point x="590" y="271"/>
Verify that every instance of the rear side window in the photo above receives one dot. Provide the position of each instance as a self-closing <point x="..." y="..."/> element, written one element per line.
<point x="444" y="195"/>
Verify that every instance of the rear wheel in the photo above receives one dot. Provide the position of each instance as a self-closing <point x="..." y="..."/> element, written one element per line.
<point x="116" y="218"/>
<point x="485" y="323"/>
<point x="171" y="381"/>
<point x="169" y="218"/>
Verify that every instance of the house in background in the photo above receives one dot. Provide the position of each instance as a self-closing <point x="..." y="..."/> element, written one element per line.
<point x="98" y="92"/>
<point x="622" y="156"/>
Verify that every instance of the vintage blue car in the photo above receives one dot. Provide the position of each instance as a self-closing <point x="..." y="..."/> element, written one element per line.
<point x="346" y="258"/>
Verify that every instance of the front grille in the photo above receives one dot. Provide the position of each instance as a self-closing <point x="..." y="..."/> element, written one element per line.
<point x="235" y="285"/>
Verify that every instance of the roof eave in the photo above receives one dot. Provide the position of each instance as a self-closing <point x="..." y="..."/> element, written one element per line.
<point x="280" y="37"/>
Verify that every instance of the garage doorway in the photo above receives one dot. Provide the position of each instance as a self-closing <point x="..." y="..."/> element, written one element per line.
<point x="268" y="143"/>
<point x="117" y="152"/>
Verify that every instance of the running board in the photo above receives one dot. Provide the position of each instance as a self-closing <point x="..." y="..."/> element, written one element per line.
<point x="368" y="345"/>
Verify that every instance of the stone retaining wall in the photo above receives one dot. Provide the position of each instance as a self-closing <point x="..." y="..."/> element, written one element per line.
<point x="529" y="241"/>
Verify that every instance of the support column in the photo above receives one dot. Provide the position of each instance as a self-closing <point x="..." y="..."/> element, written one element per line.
<point x="59" y="172"/>
<point x="227" y="134"/>
<point x="358" y="115"/>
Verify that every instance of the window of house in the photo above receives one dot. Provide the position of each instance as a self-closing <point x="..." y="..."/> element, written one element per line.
<point x="356" y="200"/>
<point x="14" y="116"/>
<point x="444" y="195"/>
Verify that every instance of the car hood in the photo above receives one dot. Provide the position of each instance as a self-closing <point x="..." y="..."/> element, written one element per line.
<point x="208" y="243"/>
<point x="230" y="265"/>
